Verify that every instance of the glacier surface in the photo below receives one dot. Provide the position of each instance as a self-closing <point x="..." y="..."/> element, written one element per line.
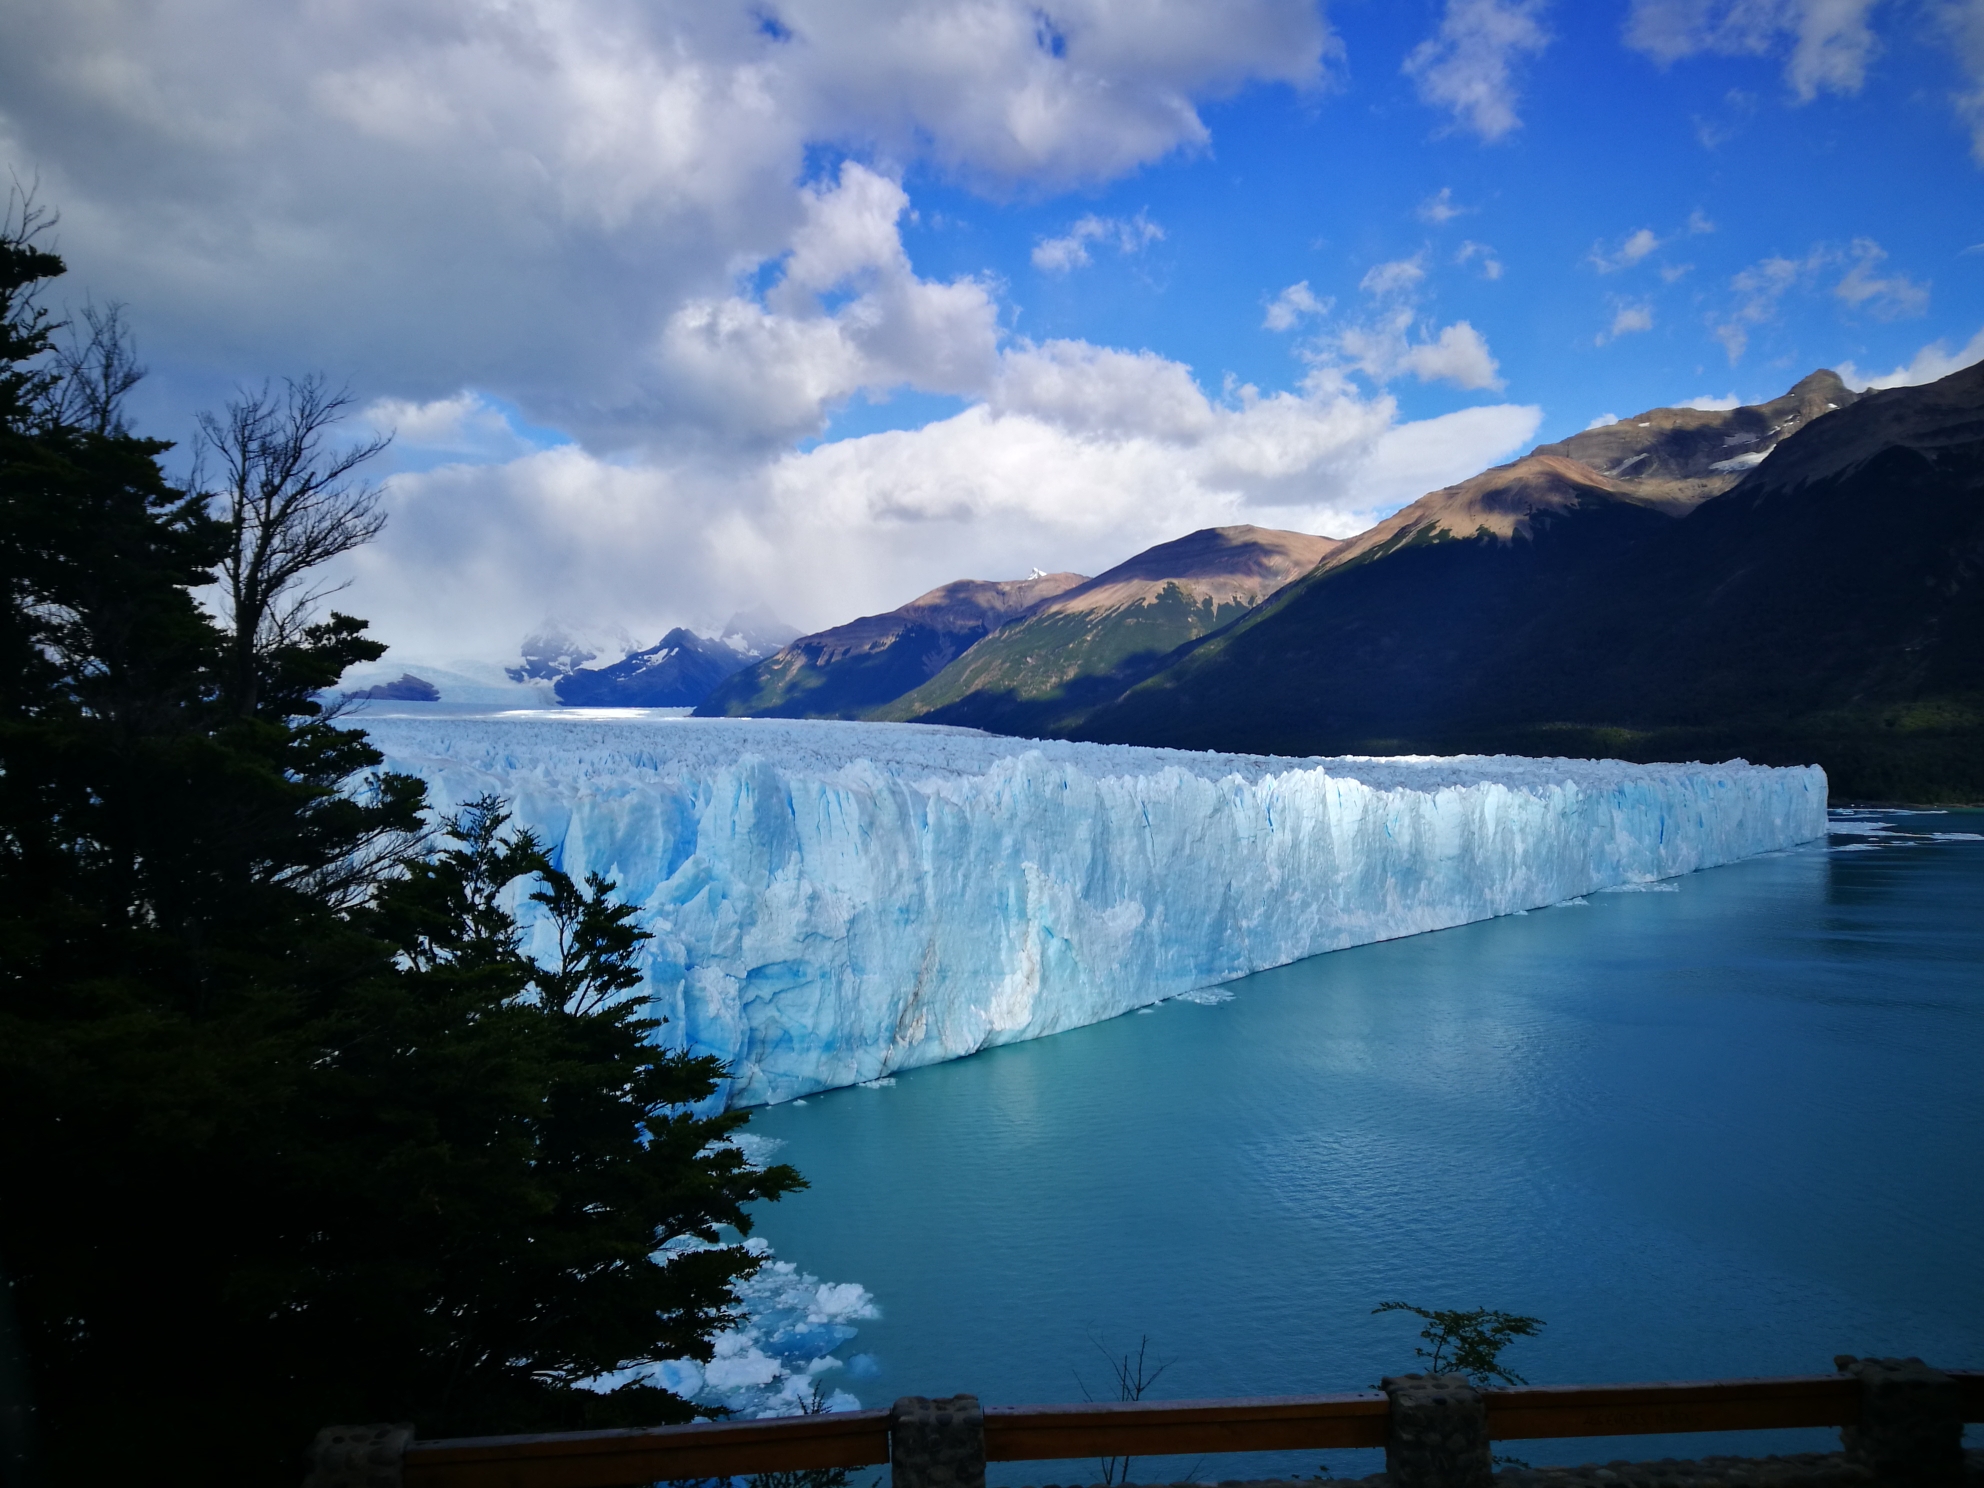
<point x="831" y="902"/>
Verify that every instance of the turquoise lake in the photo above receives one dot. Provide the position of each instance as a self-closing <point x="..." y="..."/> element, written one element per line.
<point x="1728" y="1127"/>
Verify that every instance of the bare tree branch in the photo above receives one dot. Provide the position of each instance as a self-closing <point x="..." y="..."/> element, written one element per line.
<point x="95" y="374"/>
<point x="292" y="503"/>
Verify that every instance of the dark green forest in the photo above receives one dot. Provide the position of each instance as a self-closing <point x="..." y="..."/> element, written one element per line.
<point x="293" y="1131"/>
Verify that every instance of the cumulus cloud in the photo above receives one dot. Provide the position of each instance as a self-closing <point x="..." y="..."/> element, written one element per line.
<point x="1712" y="402"/>
<point x="1395" y="340"/>
<point x="1070" y="251"/>
<point x="523" y="196"/>
<point x="1469" y="65"/>
<point x="1627" y="318"/>
<point x="1933" y="361"/>
<point x="1398" y="277"/>
<point x="756" y="371"/>
<point x="1293" y="305"/>
<point x="1830" y="42"/>
<point x="1385" y="349"/>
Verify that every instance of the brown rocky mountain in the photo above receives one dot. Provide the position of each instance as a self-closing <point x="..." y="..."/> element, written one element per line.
<point x="852" y="668"/>
<point x="1668" y="460"/>
<point x="1089" y="644"/>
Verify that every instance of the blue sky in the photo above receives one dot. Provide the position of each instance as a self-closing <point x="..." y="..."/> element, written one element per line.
<point x="681" y="308"/>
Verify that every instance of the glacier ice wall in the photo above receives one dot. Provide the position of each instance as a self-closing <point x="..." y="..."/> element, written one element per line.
<point x="834" y="901"/>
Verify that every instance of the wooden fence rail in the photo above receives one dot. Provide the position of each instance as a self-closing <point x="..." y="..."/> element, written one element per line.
<point x="1363" y="1418"/>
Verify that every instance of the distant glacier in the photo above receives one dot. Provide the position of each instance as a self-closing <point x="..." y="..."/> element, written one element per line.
<point x="832" y="902"/>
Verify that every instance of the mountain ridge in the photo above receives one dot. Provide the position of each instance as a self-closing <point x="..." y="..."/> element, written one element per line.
<point x="1742" y="625"/>
<point x="843" y="671"/>
<point x="1046" y="667"/>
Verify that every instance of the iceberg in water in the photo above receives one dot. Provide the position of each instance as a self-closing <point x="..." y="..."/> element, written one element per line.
<point x="831" y="902"/>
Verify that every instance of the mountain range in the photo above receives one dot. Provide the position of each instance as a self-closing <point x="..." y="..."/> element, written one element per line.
<point x="1792" y="581"/>
<point x="1826" y="605"/>
<point x="678" y="671"/>
<point x="869" y="662"/>
<point x="1041" y="672"/>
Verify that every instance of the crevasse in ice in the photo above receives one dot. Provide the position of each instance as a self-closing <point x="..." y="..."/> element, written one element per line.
<point x="831" y="902"/>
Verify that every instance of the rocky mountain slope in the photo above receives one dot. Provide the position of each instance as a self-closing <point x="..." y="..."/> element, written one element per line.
<point x="1624" y="593"/>
<point x="845" y="671"/>
<point x="1042" y="672"/>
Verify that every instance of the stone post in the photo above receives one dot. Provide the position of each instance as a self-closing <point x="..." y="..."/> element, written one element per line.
<point x="937" y="1443"/>
<point x="1911" y="1423"/>
<point x="358" y="1456"/>
<point x="1439" y="1433"/>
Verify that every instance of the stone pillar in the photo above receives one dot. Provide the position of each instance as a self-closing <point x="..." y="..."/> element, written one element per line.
<point x="1911" y="1423"/>
<point x="1439" y="1433"/>
<point x="937" y="1443"/>
<point x="358" y="1456"/>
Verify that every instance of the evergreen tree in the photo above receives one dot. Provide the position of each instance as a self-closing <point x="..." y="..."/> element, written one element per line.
<point x="291" y="1129"/>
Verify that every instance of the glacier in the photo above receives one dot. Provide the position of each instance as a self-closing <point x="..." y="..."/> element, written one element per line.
<point x="833" y="902"/>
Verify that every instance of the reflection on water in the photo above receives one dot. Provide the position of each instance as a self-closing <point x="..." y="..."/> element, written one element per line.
<point x="1729" y="1130"/>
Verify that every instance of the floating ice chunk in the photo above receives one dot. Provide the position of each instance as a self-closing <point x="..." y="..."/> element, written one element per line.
<point x="757" y="1150"/>
<point x="771" y="1363"/>
<point x="1206" y="996"/>
<point x="832" y="903"/>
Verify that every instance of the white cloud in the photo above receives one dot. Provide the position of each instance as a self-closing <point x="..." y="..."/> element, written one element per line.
<point x="1070" y="251"/>
<point x="1096" y="390"/>
<point x="1468" y="66"/>
<point x="1933" y="361"/>
<point x="1439" y="208"/>
<point x="1831" y="43"/>
<point x="1603" y="421"/>
<point x="1894" y="297"/>
<point x="1632" y="248"/>
<point x="522" y="196"/>
<point x="1292" y="305"/>
<point x="1471" y="251"/>
<point x="1626" y="320"/>
<point x="1713" y="402"/>
<point x="1400" y="276"/>
<point x="1761" y="288"/>
<point x="1964" y="22"/>
<point x="1082" y="456"/>
<point x="467" y="425"/>
<point x="1385" y="349"/>
<point x="751" y="373"/>
<point x="1396" y="341"/>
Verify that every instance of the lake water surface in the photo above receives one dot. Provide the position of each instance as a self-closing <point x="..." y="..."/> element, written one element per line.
<point x="1729" y="1127"/>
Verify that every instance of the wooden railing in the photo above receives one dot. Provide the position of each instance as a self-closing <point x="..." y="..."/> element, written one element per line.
<point x="852" y="1439"/>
